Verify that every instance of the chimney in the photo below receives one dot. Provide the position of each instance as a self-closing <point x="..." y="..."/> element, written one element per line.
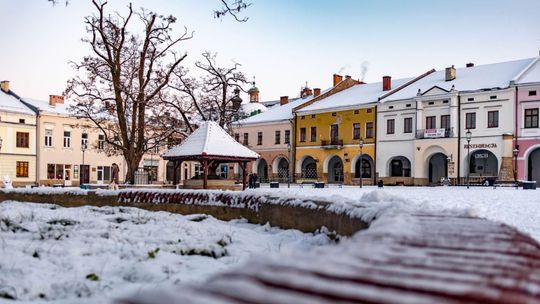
<point x="386" y="83"/>
<point x="469" y="65"/>
<point x="347" y="76"/>
<point x="4" y="85"/>
<point x="316" y="92"/>
<point x="283" y="100"/>
<point x="306" y="92"/>
<point x="450" y="73"/>
<point x="55" y="99"/>
<point x="337" y="79"/>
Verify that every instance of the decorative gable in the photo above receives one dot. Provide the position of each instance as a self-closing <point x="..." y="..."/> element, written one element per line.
<point x="435" y="91"/>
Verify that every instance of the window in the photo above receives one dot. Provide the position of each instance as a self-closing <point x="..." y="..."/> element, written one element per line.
<point x="369" y="110"/>
<point x="246" y="137"/>
<point x="22" y="169"/>
<point x="259" y="138"/>
<point x="103" y="173"/>
<point x="493" y="97"/>
<point x="278" y="137"/>
<point x="431" y="103"/>
<point x="431" y="122"/>
<point x="334" y="134"/>
<point x="334" y="113"/>
<point x="408" y="105"/>
<point x="48" y="138"/>
<point x="50" y="171"/>
<point x="532" y="93"/>
<point x="356" y="131"/>
<point x="531" y="118"/>
<point x="369" y="130"/>
<point x="445" y="121"/>
<point x="84" y="140"/>
<point x="470" y="99"/>
<point x="493" y="119"/>
<point x="101" y="141"/>
<point x="356" y="111"/>
<point x="67" y="139"/>
<point x="199" y="170"/>
<point x="302" y="117"/>
<point x="287" y="136"/>
<point x="312" y="115"/>
<point x="313" y="134"/>
<point x="21" y="120"/>
<point x="302" y="134"/>
<point x="117" y="142"/>
<point x="391" y="107"/>
<point x="407" y="125"/>
<point x="237" y="137"/>
<point x="390" y="126"/>
<point x="55" y="171"/>
<point x="23" y="139"/>
<point x="445" y="101"/>
<point x="470" y="121"/>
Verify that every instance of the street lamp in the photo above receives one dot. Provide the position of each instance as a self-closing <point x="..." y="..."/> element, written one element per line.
<point x="84" y="146"/>
<point x="289" y="148"/>
<point x="516" y="153"/>
<point x="361" y="144"/>
<point x="468" y="136"/>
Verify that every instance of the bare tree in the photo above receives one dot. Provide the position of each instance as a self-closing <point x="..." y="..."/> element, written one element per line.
<point x="212" y="96"/>
<point x="233" y="9"/>
<point x="121" y="84"/>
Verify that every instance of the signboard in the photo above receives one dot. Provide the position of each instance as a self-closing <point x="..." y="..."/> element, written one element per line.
<point x="434" y="133"/>
<point x="480" y="146"/>
<point x="451" y="167"/>
<point x="481" y="155"/>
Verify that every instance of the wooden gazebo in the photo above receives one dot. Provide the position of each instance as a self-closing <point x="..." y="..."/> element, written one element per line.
<point x="210" y="145"/>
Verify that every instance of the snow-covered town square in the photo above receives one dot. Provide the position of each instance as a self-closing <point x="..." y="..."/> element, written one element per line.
<point x="274" y="152"/>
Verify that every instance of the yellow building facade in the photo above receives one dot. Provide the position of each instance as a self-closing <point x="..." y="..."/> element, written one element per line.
<point x="327" y="146"/>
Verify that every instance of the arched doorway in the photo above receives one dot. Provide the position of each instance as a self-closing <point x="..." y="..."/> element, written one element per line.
<point x="534" y="166"/>
<point x="283" y="169"/>
<point x="309" y="168"/>
<point x="438" y="168"/>
<point x="400" y="166"/>
<point x="484" y="163"/>
<point x="335" y="170"/>
<point x="262" y="171"/>
<point x="363" y="167"/>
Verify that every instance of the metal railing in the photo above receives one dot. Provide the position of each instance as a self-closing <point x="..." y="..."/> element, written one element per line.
<point x="332" y="142"/>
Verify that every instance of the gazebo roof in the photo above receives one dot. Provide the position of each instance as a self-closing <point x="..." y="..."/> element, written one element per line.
<point x="210" y="141"/>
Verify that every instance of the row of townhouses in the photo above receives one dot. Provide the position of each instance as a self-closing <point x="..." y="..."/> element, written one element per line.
<point x="476" y="122"/>
<point x="41" y="143"/>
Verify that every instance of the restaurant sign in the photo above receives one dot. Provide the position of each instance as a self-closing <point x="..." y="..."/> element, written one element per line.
<point x="481" y="146"/>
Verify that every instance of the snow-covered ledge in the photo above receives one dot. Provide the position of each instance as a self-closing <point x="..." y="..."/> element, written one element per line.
<point x="308" y="215"/>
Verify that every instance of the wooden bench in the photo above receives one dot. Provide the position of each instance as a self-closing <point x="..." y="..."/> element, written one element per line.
<point x="414" y="258"/>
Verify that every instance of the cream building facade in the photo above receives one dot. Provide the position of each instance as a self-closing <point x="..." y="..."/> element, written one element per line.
<point x="18" y="138"/>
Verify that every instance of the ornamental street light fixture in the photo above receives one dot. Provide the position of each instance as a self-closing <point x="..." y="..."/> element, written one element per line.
<point x="516" y="153"/>
<point x="468" y="136"/>
<point x="84" y="146"/>
<point x="361" y="144"/>
<point x="289" y="149"/>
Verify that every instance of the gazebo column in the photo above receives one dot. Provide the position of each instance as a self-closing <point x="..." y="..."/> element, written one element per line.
<point x="205" y="178"/>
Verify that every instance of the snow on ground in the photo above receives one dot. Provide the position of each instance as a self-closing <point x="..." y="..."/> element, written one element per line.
<point x="519" y="208"/>
<point x="90" y="254"/>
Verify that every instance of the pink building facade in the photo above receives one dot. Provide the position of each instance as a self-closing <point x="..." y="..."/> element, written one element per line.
<point x="527" y="142"/>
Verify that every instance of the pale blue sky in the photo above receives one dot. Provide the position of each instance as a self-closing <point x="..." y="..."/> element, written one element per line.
<point x="285" y="43"/>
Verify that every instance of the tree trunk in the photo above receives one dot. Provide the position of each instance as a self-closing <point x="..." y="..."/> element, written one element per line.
<point x="132" y="167"/>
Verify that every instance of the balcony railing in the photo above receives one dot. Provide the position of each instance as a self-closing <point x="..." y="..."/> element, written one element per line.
<point x="435" y="133"/>
<point x="332" y="143"/>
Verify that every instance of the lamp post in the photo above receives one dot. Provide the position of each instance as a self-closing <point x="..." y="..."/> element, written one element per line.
<point x="289" y="149"/>
<point x="82" y="178"/>
<point x="468" y="136"/>
<point x="516" y="153"/>
<point x="361" y="144"/>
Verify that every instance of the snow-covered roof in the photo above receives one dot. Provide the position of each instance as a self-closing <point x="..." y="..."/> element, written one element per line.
<point x="251" y="107"/>
<point x="488" y="76"/>
<point x="10" y="103"/>
<point x="531" y="74"/>
<point x="211" y="140"/>
<point x="354" y="96"/>
<point x="275" y="113"/>
<point x="44" y="106"/>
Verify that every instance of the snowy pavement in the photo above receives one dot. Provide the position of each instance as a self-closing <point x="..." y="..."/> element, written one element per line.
<point x="90" y="254"/>
<point x="519" y="208"/>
